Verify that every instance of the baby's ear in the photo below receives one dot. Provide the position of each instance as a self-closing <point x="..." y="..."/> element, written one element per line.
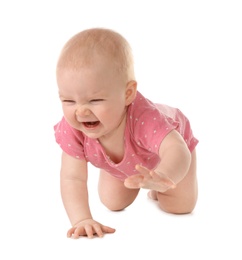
<point x="131" y="90"/>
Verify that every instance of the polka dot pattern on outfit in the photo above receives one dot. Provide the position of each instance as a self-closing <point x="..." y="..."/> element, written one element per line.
<point x="148" y="125"/>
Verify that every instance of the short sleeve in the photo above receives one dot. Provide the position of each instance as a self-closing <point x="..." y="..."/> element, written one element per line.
<point x="151" y="128"/>
<point x="151" y="122"/>
<point x="156" y="123"/>
<point x="69" y="139"/>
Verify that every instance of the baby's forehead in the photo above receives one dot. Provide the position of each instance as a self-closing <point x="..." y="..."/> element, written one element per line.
<point x="91" y="63"/>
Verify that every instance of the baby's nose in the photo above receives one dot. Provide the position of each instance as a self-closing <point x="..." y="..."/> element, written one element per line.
<point x="82" y="112"/>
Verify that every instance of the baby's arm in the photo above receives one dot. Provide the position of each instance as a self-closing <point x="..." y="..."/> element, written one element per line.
<point x="173" y="167"/>
<point x="175" y="157"/>
<point x="74" y="194"/>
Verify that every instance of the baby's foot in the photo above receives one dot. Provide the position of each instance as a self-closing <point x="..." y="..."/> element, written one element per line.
<point x="152" y="194"/>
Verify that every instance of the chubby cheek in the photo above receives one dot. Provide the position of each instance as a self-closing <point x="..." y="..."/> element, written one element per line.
<point x="70" y="117"/>
<point x="112" y="114"/>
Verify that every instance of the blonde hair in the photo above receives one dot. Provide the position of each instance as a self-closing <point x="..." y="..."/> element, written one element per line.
<point x="81" y="49"/>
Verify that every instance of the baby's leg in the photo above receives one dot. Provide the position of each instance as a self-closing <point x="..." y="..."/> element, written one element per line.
<point x="113" y="194"/>
<point x="183" y="198"/>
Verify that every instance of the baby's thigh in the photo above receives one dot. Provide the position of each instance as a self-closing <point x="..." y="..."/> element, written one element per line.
<point x="112" y="192"/>
<point x="183" y="198"/>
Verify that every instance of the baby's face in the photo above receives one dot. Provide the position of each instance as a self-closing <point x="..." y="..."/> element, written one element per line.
<point x="93" y="99"/>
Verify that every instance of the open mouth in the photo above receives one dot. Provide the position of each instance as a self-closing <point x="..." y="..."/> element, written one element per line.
<point x="91" y="124"/>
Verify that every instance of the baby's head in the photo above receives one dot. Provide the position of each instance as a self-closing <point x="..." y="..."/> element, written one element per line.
<point x="96" y="82"/>
<point x="84" y="48"/>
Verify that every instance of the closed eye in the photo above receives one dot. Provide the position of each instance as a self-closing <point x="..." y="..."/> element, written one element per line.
<point x="68" y="101"/>
<point x="97" y="100"/>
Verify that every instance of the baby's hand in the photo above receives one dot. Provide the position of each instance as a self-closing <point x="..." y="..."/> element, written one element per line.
<point x="89" y="228"/>
<point x="149" y="179"/>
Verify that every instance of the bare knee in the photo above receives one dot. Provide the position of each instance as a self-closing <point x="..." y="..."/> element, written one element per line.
<point x="118" y="200"/>
<point x="113" y="194"/>
<point x="115" y="204"/>
<point x="177" y="205"/>
<point x="177" y="209"/>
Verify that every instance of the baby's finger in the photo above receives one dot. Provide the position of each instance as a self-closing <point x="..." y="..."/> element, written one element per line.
<point x="141" y="169"/>
<point x="133" y="182"/>
<point x="98" y="230"/>
<point x="157" y="176"/>
<point x="89" y="231"/>
<point x="108" y="229"/>
<point x="71" y="231"/>
<point x="79" y="231"/>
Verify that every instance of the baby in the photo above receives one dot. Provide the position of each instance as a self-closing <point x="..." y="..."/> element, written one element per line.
<point x="106" y="121"/>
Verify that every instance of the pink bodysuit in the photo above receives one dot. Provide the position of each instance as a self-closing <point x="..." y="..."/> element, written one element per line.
<point x="147" y="125"/>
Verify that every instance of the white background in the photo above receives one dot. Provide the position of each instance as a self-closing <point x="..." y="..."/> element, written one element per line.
<point x="187" y="54"/>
